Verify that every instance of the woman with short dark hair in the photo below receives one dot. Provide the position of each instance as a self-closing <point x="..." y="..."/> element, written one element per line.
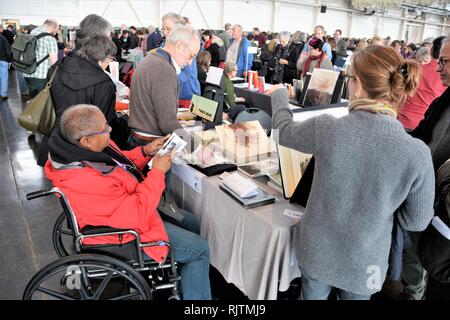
<point x="80" y="77"/>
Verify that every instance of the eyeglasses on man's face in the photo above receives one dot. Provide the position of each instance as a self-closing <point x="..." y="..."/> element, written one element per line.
<point x="442" y="62"/>
<point x="107" y="130"/>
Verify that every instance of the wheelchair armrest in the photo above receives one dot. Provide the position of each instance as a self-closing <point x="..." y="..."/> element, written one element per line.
<point x="40" y="193"/>
<point x="91" y="230"/>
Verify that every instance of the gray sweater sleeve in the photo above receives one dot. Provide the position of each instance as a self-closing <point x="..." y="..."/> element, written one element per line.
<point x="301" y="136"/>
<point x="417" y="210"/>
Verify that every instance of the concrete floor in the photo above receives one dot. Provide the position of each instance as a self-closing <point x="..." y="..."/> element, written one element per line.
<point x="25" y="227"/>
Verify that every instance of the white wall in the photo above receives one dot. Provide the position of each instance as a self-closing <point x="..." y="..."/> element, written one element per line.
<point x="291" y="15"/>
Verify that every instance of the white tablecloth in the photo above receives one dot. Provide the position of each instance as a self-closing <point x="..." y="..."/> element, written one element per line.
<point x="252" y="248"/>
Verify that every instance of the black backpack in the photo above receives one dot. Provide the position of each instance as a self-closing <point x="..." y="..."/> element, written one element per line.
<point x="24" y="52"/>
<point x="434" y="248"/>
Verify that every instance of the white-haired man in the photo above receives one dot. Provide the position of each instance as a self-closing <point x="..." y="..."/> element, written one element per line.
<point x="154" y="89"/>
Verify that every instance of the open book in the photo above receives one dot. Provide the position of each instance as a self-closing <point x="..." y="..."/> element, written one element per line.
<point x="292" y="167"/>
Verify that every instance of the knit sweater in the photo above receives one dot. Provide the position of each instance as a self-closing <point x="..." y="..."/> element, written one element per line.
<point x="366" y="168"/>
<point x="154" y="96"/>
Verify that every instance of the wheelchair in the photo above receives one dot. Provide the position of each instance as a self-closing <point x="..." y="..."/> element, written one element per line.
<point x="99" y="272"/>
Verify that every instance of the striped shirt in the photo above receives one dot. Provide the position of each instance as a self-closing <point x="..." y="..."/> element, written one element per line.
<point x="45" y="46"/>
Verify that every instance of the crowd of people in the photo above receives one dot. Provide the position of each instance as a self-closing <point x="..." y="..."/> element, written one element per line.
<point x="375" y="168"/>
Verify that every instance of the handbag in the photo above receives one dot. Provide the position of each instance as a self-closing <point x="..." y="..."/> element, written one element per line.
<point x="39" y="115"/>
<point x="168" y="209"/>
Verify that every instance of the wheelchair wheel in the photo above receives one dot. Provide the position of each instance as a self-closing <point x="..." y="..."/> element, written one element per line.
<point x="87" y="277"/>
<point x="62" y="237"/>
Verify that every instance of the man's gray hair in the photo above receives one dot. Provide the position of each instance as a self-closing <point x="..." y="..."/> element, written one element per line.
<point x="285" y="35"/>
<point x="238" y="26"/>
<point x="79" y="121"/>
<point x="227" y="26"/>
<point x="151" y="29"/>
<point x="423" y="54"/>
<point x="183" y="34"/>
<point x="174" y="17"/>
<point x="51" y="23"/>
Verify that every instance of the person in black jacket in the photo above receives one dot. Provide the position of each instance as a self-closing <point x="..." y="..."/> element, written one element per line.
<point x="434" y="130"/>
<point x="286" y="56"/>
<point x="82" y="80"/>
<point x="5" y="57"/>
<point x="215" y="47"/>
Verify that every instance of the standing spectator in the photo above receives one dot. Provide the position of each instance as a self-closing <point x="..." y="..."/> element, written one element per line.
<point x="5" y="57"/>
<point x="317" y="58"/>
<point x="133" y="39"/>
<point x="343" y="240"/>
<point x="118" y="43"/>
<point x="154" y="40"/>
<point x="20" y="78"/>
<point x="286" y="57"/>
<point x="434" y="130"/>
<point x="203" y="64"/>
<point x="427" y="42"/>
<point x="341" y="48"/>
<point x="320" y="33"/>
<point x="187" y="78"/>
<point x="81" y="78"/>
<point x="45" y="47"/>
<point x="125" y="40"/>
<point x="430" y="87"/>
<point x="238" y="52"/>
<point x="376" y="41"/>
<point x="226" y="35"/>
<point x="260" y="37"/>
<point x="8" y="33"/>
<point x="154" y="88"/>
<point x="396" y="45"/>
<point x="214" y="45"/>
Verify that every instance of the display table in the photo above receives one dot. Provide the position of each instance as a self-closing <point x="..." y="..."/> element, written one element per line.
<point x="251" y="248"/>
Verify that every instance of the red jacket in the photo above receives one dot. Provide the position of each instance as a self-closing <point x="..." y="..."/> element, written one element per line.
<point x="116" y="200"/>
<point x="430" y="87"/>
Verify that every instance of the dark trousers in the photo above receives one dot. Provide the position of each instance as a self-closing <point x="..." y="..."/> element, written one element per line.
<point x="35" y="85"/>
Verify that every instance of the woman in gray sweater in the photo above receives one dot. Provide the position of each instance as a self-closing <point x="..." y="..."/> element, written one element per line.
<point x="368" y="170"/>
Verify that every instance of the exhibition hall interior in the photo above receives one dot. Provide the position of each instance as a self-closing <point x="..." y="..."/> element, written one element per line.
<point x="225" y="150"/>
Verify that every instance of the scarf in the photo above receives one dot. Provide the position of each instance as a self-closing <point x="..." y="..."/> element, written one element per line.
<point x="308" y="63"/>
<point x="208" y="43"/>
<point x="373" y="106"/>
<point x="64" y="152"/>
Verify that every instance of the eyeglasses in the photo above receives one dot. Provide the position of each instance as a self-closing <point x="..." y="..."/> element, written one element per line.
<point x="443" y="62"/>
<point x="107" y="130"/>
<point x="348" y="75"/>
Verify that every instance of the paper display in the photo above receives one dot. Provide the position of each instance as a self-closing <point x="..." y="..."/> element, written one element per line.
<point x="321" y="86"/>
<point x="243" y="187"/>
<point x="203" y="107"/>
<point x="293" y="214"/>
<point x="174" y="144"/>
<point x="214" y="76"/>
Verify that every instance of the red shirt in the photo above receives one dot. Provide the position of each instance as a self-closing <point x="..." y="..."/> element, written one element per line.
<point x="430" y="87"/>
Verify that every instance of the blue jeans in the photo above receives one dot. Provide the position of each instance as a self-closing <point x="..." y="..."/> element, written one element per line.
<point x="3" y="78"/>
<point x="21" y="80"/>
<point x="313" y="289"/>
<point x="192" y="254"/>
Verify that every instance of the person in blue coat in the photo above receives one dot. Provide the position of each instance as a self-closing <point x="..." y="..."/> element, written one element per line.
<point x="238" y="52"/>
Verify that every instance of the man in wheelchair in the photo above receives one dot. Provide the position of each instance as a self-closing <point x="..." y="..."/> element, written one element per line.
<point x="106" y="187"/>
